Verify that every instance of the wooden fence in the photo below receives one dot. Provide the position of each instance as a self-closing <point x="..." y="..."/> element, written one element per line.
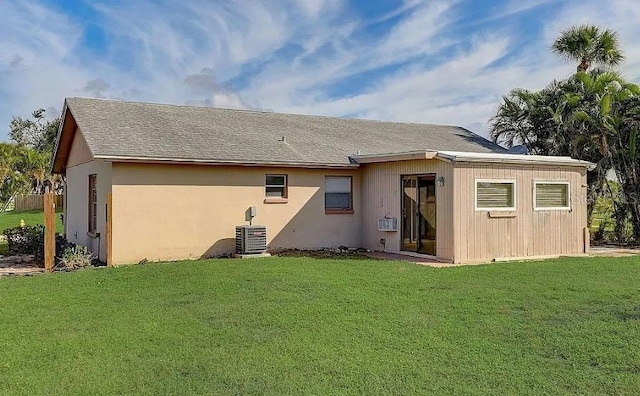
<point x="35" y="202"/>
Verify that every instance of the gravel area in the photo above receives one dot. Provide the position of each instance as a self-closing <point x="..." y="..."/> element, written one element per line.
<point x="19" y="265"/>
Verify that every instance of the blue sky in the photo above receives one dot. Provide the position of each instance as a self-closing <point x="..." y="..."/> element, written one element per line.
<point x="444" y="62"/>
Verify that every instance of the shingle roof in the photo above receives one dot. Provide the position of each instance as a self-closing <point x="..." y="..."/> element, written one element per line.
<point x="158" y="131"/>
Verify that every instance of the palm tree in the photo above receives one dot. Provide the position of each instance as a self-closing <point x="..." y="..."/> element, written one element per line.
<point x="600" y="92"/>
<point x="601" y="122"/>
<point x="512" y="124"/>
<point x="532" y="118"/>
<point x="35" y="167"/>
<point x="589" y="45"/>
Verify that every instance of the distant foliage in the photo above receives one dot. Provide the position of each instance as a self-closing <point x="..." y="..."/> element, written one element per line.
<point x="36" y="132"/>
<point x="25" y="163"/>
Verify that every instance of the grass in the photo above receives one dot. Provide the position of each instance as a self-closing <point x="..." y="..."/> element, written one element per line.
<point x="313" y="326"/>
<point x="30" y="217"/>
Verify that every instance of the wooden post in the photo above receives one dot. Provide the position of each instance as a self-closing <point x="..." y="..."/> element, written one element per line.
<point x="49" y="231"/>
<point x="109" y="230"/>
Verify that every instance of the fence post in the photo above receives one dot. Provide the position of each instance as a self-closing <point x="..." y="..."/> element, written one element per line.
<point x="49" y="231"/>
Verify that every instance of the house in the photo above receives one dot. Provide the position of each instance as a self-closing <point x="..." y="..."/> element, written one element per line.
<point x="163" y="182"/>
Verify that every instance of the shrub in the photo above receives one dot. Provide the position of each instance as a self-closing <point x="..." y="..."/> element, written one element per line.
<point x="62" y="244"/>
<point x="75" y="257"/>
<point x="30" y="240"/>
<point x="26" y="240"/>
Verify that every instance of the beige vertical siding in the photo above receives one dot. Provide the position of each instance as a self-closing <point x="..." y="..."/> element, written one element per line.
<point x="170" y="212"/>
<point x="79" y="152"/>
<point x="479" y="237"/>
<point x="381" y="196"/>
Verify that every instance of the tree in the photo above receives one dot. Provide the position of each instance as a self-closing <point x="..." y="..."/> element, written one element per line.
<point x="24" y="164"/>
<point x="593" y="115"/>
<point x="588" y="45"/>
<point x="596" y="121"/>
<point x="37" y="132"/>
<point x="532" y="118"/>
<point x="12" y="180"/>
<point x="625" y="158"/>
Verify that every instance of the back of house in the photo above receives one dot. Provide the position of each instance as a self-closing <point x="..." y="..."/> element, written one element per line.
<point x="162" y="182"/>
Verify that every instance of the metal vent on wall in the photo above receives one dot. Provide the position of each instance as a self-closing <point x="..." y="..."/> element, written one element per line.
<point x="251" y="239"/>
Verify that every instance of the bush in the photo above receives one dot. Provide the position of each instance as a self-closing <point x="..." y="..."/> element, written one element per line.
<point x="30" y="240"/>
<point x="75" y="257"/>
<point x="26" y="240"/>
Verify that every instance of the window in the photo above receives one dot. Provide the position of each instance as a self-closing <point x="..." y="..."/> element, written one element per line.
<point x="493" y="194"/>
<point x="337" y="194"/>
<point x="550" y="195"/>
<point x="276" y="186"/>
<point x="93" y="205"/>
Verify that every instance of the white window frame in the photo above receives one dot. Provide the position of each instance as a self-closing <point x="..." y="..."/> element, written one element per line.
<point x="284" y="186"/>
<point x="505" y="181"/>
<point x="565" y="182"/>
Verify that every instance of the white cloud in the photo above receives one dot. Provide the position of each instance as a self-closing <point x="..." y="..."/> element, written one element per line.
<point x="417" y="62"/>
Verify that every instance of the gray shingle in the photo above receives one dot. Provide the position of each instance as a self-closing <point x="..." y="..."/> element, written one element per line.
<point x="129" y="129"/>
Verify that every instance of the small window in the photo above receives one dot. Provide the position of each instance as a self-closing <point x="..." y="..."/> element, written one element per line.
<point x="551" y="195"/>
<point x="93" y="205"/>
<point x="337" y="194"/>
<point x="276" y="186"/>
<point x="495" y="194"/>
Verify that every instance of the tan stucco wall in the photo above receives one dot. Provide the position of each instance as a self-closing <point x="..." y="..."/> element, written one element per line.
<point x="169" y="212"/>
<point x="76" y="212"/>
<point x="479" y="237"/>
<point x="382" y="194"/>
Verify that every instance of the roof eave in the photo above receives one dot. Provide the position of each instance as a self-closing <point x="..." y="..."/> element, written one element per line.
<point x="456" y="156"/>
<point x="392" y="157"/>
<point x="515" y="159"/>
<point x="64" y="140"/>
<point x="196" y="161"/>
<point x="52" y="168"/>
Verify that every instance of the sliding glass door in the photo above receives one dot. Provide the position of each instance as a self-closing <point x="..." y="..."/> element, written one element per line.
<point x="419" y="213"/>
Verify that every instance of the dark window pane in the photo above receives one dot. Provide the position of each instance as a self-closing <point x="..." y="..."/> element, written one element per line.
<point x="337" y="201"/>
<point x="272" y="180"/>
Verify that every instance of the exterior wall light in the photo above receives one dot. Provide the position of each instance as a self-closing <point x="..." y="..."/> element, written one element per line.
<point x="440" y="181"/>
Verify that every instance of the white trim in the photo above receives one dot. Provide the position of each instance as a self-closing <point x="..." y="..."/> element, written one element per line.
<point x="565" y="182"/>
<point x="392" y="157"/>
<point x="501" y="181"/>
<point x="285" y="186"/>
<point x="460" y="156"/>
<point x="506" y="158"/>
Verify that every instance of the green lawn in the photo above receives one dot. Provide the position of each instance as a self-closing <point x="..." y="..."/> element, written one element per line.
<point x="30" y="217"/>
<point x="310" y="326"/>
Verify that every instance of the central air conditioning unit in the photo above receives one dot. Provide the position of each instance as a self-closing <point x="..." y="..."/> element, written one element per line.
<point x="251" y="239"/>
